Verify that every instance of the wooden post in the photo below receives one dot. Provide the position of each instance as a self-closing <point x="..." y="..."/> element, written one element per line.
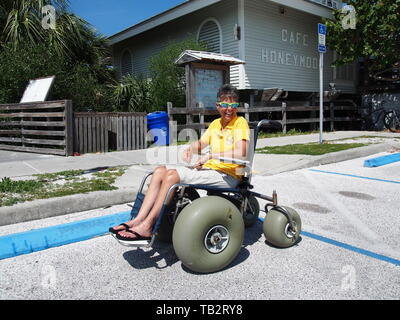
<point x="190" y="91"/>
<point x="69" y="128"/>
<point x="171" y="126"/>
<point x="246" y="113"/>
<point x="332" y="114"/>
<point x="201" y="116"/>
<point x="284" y="117"/>
<point x="252" y="105"/>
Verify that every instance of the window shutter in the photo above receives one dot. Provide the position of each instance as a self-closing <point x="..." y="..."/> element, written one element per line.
<point x="126" y="63"/>
<point x="209" y="34"/>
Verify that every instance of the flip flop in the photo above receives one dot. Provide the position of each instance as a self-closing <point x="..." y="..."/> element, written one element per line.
<point x="115" y="232"/>
<point x="132" y="241"/>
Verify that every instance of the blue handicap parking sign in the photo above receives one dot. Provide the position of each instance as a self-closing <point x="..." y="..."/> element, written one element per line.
<point x="321" y="28"/>
<point x="321" y="48"/>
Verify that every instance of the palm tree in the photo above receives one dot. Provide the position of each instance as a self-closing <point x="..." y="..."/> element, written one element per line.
<point x="72" y="37"/>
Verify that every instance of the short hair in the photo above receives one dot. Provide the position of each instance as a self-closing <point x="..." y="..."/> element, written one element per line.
<point x="228" y="90"/>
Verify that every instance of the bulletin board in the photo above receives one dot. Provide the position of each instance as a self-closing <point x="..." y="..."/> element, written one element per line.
<point x="37" y="90"/>
<point x="208" y="82"/>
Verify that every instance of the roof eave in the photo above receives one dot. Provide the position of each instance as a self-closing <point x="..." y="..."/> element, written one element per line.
<point x="307" y="6"/>
<point x="157" y="20"/>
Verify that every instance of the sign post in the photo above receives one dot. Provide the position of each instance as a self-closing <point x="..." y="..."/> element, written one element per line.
<point x="322" y="50"/>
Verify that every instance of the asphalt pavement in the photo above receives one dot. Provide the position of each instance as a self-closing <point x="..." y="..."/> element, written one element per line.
<point x="18" y="165"/>
<point x="348" y="249"/>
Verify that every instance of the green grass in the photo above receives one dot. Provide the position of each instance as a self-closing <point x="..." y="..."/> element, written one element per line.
<point x="291" y="132"/>
<point x="49" y="185"/>
<point x="59" y="175"/>
<point x="8" y="185"/>
<point x="313" y="149"/>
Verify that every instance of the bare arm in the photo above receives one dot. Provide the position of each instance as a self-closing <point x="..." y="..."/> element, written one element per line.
<point x="238" y="152"/>
<point x="194" y="148"/>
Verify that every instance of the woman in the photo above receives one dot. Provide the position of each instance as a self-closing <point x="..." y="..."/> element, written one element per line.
<point x="227" y="136"/>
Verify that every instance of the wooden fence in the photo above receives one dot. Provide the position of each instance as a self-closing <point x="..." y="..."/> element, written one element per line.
<point x="286" y="111"/>
<point x="41" y="127"/>
<point x="104" y="131"/>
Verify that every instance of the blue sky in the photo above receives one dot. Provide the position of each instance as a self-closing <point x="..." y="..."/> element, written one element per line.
<point x="109" y="17"/>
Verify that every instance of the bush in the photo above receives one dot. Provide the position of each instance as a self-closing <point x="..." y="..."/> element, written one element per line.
<point x="168" y="79"/>
<point x="133" y="94"/>
<point x="76" y="81"/>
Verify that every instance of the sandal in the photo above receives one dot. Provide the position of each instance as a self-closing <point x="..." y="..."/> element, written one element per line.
<point x="115" y="232"/>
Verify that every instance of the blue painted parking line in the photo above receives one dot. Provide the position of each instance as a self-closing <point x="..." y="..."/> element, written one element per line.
<point x="45" y="238"/>
<point x="354" y="176"/>
<point x="381" y="161"/>
<point x="349" y="247"/>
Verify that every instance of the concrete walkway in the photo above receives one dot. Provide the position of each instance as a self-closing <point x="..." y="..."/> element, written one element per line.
<point x="24" y="165"/>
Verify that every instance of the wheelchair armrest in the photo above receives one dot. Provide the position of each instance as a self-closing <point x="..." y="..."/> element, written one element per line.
<point x="235" y="161"/>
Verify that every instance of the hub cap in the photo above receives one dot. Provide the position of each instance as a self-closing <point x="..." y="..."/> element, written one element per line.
<point x="216" y="239"/>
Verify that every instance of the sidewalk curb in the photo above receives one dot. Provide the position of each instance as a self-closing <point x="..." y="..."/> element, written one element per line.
<point x="350" y="154"/>
<point x="335" y="157"/>
<point x="46" y="208"/>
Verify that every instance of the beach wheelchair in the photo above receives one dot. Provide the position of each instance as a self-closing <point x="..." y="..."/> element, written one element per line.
<point x="207" y="232"/>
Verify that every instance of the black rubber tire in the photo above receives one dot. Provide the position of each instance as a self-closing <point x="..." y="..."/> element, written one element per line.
<point x="391" y="121"/>
<point x="194" y="224"/>
<point x="275" y="226"/>
<point x="249" y="217"/>
<point x="167" y="224"/>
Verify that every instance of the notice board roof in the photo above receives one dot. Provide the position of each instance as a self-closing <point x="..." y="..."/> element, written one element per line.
<point x="203" y="56"/>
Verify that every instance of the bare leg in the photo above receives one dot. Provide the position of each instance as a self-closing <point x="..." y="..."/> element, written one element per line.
<point x="145" y="227"/>
<point x="151" y="194"/>
<point x="149" y="199"/>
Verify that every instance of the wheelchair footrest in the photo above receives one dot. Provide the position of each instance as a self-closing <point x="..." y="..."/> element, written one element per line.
<point x="145" y="243"/>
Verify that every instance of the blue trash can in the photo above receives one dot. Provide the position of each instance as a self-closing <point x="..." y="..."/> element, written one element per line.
<point x="158" y="122"/>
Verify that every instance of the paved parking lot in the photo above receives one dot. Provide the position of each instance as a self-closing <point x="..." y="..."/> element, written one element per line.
<point x="349" y="249"/>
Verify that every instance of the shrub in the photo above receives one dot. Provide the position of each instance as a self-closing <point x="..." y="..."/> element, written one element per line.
<point x="168" y="79"/>
<point x="133" y="94"/>
<point x="76" y="81"/>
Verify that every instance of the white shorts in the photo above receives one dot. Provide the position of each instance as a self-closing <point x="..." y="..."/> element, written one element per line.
<point x="205" y="176"/>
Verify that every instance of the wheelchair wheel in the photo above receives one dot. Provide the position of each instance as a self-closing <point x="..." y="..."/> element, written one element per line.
<point x="277" y="230"/>
<point x="167" y="223"/>
<point x="252" y="212"/>
<point x="208" y="234"/>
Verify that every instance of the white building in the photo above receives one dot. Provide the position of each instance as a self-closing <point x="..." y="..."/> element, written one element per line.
<point x="277" y="39"/>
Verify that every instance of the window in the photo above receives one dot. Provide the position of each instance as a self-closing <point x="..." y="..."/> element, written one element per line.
<point x="126" y="63"/>
<point x="210" y="33"/>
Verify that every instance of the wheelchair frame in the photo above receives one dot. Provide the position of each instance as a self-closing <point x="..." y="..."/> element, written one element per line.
<point x="243" y="191"/>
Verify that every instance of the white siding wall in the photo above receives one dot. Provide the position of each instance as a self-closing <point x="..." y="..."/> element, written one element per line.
<point x="263" y="30"/>
<point x="153" y="41"/>
<point x="281" y="49"/>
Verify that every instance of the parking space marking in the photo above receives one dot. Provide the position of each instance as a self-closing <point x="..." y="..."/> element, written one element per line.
<point x="342" y="209"/>
<point x="348" y="247"/>
<point x="41" y="239"/>
<point x="354" y="176"/>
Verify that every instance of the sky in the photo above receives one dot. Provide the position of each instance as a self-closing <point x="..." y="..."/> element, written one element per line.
<point x="111" y="16"/>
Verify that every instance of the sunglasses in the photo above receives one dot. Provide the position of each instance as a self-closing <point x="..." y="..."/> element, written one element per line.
<point x="225" y="105"/>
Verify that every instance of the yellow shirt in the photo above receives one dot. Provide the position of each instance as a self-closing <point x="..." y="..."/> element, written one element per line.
<point x="223" y="141"/>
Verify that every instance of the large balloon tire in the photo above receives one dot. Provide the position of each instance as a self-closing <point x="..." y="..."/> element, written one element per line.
<point x="199" y="224"/>
<point x="167" y="224"/>
<point x="250" y="217"/>
<point x="277" y="230"/>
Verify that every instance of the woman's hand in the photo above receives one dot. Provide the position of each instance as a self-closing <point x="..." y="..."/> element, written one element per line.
<point x="187" y="155"/>
<point x="202" y="160"/>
